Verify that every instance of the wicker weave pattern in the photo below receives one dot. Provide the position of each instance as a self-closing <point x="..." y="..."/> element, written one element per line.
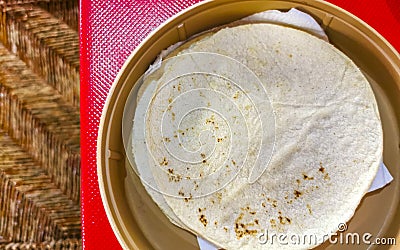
<point x="36" y="36"/>
<point x="30" y="203"/>
<point x="39" y="125"/>
<point x="65" y="10"/>
<point x="53" y="245"/>
<point x="41" y="121"/>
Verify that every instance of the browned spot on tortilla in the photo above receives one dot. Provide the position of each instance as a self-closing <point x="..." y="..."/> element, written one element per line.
<point x="204" y="161"/>
<point x="203" y="155"/>
<point x="309" y="208"/>
<point x="263" y="204"/>
<point x="181" y="193"/>
<point x="177" y="178"/>
<point x="173" y="177"/>
<point x="306" y="177"/>
<point x="211" y="120"/>
<point x="298" y="182"/>
<point x="203" y="220"/>
<point x="233" y="162"/>
<point x="326" y="177"/>
<point x="250" y="232"/>
<point x="321" y="169"/>
<point x="241" y="229"/>
<point x="167" y="139"/>
<point x="239" y="217"/>
<point x="284" y="220"/>
<point x="170" y="100"/>
<point x="290" y="55"/>
<point x="188" y="198"/>
<point x="274" y="203"/>
<point x="226" y="229"/>
<point x="219" y="139"/>
<point x="297" y="194"/>
<point x="164" y="162"/>
<point x="215" y="222"/>
<point x="256" y="221"/>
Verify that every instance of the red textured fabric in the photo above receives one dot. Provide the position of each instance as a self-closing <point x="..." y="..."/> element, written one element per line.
<point x="382" y="15"/>
<point x="110" y="30"/>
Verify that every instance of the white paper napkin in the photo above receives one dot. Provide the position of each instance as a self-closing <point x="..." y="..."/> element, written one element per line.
<point x="303" y="21"/>
<point x="382" y="178"/>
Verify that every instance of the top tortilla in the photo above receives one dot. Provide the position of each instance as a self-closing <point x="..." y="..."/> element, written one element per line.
<point x="328" y="139"/>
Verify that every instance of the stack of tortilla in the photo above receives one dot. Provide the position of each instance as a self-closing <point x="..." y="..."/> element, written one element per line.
<point x="257" y="127"/>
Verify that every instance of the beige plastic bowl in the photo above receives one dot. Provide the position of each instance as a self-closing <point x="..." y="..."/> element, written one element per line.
<point x="137" y="221"/>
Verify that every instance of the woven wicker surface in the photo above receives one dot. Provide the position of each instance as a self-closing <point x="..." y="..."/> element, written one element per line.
<point x="39" y="125"/>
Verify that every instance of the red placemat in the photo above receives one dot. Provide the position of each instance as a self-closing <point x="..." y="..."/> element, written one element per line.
<point x="110" y="30"/>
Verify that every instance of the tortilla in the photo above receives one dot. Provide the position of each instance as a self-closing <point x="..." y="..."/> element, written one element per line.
<point x="312" y="125"/>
